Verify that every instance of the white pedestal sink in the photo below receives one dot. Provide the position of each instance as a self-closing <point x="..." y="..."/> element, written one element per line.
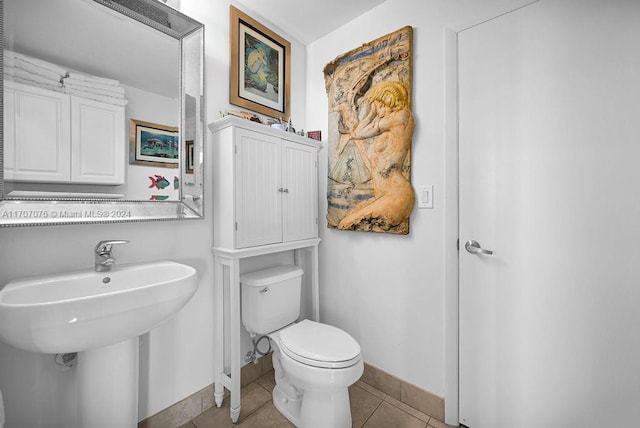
<point x="99" y="315"/>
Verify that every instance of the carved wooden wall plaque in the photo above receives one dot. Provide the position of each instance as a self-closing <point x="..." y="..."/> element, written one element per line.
<point x="370" y="133"/>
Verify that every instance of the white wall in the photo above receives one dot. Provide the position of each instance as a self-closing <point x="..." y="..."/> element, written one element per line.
<point x="176" y="358"/>
<point x="388" y="290"/>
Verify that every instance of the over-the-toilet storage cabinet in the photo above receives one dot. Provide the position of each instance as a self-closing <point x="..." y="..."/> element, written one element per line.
<point x="54" y="137"/>
<point x="265" y="200"/>
<point x="265" y="185"/>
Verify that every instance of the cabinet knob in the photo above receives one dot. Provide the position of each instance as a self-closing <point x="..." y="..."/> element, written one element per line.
<point x="282" y="190"/>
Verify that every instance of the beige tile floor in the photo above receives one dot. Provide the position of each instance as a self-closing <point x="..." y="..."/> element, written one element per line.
<point x="370" y="408"/>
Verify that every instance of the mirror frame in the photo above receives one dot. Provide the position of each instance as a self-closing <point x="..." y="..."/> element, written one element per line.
<point x="44" y="209"/>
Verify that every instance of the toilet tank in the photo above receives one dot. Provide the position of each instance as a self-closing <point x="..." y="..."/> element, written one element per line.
<point x="270" y="298"/>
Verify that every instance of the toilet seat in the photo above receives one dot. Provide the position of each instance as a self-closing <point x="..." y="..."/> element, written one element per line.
<point x="319" y="345"/>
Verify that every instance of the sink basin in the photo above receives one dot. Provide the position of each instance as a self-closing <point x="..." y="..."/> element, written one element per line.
<point x="85" y="310"/>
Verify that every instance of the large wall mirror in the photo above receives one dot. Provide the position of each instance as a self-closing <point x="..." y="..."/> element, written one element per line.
<point x="103" y="112"/>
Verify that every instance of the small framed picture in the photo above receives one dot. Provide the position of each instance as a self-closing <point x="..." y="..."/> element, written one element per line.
<point x="188" y="167"/>
<point x="260" y="67"/>
<point x="153" y="144"/>
<point x="315" y="135"/>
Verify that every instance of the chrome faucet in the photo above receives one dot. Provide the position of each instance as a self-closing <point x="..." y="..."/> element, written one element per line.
<point x="104" y="259"/>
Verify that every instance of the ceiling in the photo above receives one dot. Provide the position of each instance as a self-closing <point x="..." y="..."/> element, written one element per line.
<point x="309" y="20"/>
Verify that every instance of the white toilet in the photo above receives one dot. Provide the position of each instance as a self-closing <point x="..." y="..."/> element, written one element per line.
<point x="314" y="363"/>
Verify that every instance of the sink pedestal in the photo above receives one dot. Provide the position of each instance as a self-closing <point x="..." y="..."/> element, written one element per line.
<point x="108" y="386"/>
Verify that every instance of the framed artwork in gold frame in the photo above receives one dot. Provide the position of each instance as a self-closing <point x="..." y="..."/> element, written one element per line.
<point x="260" y="67"/>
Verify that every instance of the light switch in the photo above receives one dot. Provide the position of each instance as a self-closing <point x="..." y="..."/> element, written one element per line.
<point x="425" y="196"/>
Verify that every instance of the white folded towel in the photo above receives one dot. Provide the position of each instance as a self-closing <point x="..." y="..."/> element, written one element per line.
<point x="114" y="94"/>
<point x="88" y="86"/>
<point x="40" y="63"/>
<point x="50" y="87"/>
<point x="8" y="59"/>
<point x="34" y="69"/>
<point x="94" y="79"/>
<point x="103" y="98"/>
<point x="17" y="72"/>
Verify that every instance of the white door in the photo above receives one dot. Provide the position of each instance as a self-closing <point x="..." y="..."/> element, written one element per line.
<point x="550" y="182"/>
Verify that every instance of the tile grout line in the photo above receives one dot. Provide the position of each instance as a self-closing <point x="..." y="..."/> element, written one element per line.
<point x="260" y="407"/>
<point x="239" y="423"/>
<point x="429" y="417"/>
<point x="372" y="413"/>
<point x="394" y="404"/>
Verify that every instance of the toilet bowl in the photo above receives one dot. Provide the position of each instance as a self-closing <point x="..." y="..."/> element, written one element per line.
<point x="314" y="366"/>
<point x="314" y="363"/>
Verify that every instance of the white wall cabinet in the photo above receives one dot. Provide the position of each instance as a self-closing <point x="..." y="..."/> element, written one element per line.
<point x="265" y="185"/>
<point x="54" y="137"/>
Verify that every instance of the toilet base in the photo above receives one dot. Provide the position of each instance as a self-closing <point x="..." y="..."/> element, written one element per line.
<point x="322" y="409"/>
<point x="318" y="409"/>
<point x="310" y="407"/>
<point x="289" y="407"/>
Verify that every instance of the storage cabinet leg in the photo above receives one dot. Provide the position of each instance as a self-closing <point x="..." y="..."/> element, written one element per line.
<point x="218" y="295"/>
<point x="234" y="336"/>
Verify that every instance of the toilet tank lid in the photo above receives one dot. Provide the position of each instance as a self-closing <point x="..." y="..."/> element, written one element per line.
<point x="269" y="276"/>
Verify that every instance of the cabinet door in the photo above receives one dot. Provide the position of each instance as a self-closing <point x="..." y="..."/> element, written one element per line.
<point x="300" y="198"/>
<point x="258" y="204"/>
<point x="8" y="130"/>
<point x="38" y="121"/>
<point x="98" y="142"/>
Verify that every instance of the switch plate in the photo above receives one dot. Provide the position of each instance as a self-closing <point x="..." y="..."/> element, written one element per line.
<point x="425" y="196"/>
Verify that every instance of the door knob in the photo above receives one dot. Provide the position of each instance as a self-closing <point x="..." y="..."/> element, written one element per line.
<point x="474" y="248"/>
